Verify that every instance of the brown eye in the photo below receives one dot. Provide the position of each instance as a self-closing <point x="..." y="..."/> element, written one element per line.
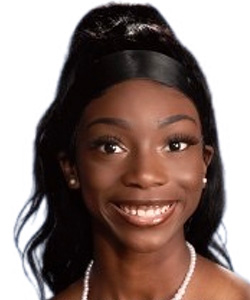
<point x="176" y="146"/>
<point x="180" y="142"/>
<point x="107" y="145"/>
<point x="110" y="148"/>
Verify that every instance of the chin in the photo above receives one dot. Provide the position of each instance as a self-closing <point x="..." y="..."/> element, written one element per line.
<point x="150" y="240"/>
<point x="140" y="237"/>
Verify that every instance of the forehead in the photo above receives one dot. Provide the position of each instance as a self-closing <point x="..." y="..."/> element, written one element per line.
<point x="136" y="97"/>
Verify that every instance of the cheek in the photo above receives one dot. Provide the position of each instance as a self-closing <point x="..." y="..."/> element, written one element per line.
<point x="190" y="168"/>
<point x="190" y="178"/>
<point x="96" y="181"/>
<point x="188" y="173"/>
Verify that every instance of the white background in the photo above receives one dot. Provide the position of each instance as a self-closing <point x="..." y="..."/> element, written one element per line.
<point x="34" y="38"/>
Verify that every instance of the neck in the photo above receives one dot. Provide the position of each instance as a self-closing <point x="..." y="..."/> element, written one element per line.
<point x="132" y="275"/>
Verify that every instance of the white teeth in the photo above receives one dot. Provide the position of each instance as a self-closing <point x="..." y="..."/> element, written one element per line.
<point x="164" y="209"/>
<point x="126" y="209"/>
<point x="150" y="213"/>
<point x="145" y="211"/>
<point x="141" y="213"/>
<point x="158" y="211"/>
<point x="132" y="211"/>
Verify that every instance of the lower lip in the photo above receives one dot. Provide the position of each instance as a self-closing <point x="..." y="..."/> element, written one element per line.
<point x="146" y="221"/>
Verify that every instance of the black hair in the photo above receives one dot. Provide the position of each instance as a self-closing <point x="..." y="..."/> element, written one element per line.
<point x="60" y="250"/>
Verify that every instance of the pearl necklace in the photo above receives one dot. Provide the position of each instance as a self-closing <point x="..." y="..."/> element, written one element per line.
<point x="179" y="294"/>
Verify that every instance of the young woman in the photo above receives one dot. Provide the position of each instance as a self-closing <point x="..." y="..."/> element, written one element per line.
<point x="127" y="160"/>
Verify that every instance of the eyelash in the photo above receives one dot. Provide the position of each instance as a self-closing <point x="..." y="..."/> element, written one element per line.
<point x="189" y="140"/>
<point x="105" y="141"/>
<point x="115" y="141"/>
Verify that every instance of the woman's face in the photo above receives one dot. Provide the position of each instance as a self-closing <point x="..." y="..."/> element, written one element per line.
<point x="140" y="162"/>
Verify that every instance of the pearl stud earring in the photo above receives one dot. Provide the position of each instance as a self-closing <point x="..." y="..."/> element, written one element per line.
<point x="72" y="181"/>
<point x="204" y="180"/>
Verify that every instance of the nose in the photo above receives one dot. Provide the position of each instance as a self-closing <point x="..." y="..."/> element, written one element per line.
<point x="145" y="171"/>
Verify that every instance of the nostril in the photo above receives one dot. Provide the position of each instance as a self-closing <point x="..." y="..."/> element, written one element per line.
<point x="139" y="178"/>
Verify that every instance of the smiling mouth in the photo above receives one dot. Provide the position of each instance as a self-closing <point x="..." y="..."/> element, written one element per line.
<point x="146" y="215"/>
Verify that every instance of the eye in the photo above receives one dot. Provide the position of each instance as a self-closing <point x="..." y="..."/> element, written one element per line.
<point x="180" y="142"/>
<point x="110" y="148"/>
<point x="176" y="146"/>
<point x="108" y="145"/>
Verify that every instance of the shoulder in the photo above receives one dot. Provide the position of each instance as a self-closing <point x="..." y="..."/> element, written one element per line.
<point x="73" y="292"/>
<point x="221" y="283"/>
<point x="234" y="287"/>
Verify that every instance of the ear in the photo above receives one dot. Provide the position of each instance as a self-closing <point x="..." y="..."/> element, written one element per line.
<point x="208" y="153"/>
<point x="69" y="171"/>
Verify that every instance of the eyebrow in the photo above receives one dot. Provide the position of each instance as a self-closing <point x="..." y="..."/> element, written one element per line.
<point x="174" y="119"/>
<point x="125" y="125"/>
<point x="110" y="121"/>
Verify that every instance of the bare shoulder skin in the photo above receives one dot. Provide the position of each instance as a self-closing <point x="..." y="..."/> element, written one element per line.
<point x="214" y="282"/>
<point x="210" y="282"/>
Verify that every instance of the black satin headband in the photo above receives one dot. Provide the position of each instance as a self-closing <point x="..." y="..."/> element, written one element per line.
<point x="144" y="64"/>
